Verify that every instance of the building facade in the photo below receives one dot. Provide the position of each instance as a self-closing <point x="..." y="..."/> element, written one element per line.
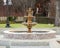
<point x="19" y="7"/>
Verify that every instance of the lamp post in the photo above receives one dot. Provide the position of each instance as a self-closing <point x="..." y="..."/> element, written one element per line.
<point x="7" y="3"/>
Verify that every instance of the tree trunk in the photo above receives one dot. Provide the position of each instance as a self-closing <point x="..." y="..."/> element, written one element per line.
<point x="57" y="18"/>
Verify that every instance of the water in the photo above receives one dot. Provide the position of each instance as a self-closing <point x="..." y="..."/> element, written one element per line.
<point x="28" y="32"/>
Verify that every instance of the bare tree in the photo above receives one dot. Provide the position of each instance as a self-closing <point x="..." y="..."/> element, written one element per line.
<point x="1" y="2"/>
<point x="22" y="5"/>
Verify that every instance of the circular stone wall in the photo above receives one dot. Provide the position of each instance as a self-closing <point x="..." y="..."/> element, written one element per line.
<point x="35" y="35"/>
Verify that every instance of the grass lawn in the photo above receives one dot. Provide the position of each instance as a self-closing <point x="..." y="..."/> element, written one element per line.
<point x="22" y="26"/>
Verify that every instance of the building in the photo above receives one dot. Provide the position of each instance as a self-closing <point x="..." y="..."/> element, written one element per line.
<point x="18" y="8"/>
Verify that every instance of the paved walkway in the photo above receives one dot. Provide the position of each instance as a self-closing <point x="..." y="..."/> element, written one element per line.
<point x="54" y="44"/>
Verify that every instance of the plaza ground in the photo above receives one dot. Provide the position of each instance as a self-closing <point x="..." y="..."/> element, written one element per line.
<point x="8" y="42"/>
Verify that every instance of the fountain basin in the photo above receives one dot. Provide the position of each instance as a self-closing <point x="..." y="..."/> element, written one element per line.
<point x="32" y="24"/>
<point x="35" y="35"/>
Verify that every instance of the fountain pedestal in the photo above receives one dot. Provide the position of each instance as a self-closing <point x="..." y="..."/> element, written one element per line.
<point x="29" y="22"/>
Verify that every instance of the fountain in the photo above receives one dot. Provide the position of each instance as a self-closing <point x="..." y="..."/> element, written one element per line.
<point x="31" y="34"/>
<point x="29" y="22"/>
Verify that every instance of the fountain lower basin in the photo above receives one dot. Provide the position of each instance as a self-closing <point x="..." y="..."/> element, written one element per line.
<point x="35" y="35"/>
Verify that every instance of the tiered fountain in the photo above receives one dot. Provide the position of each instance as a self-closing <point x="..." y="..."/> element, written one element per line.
<point x="31" y="34"/>
<point x="29" y="22"/>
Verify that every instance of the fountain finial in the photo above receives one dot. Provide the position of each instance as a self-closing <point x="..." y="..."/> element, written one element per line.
<point x="30" y="11"/>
